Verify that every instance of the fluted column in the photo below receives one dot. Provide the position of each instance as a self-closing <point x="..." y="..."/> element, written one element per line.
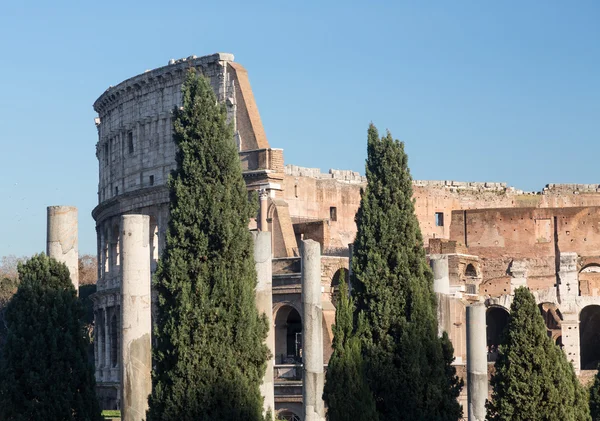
<point x="136" y="351"/>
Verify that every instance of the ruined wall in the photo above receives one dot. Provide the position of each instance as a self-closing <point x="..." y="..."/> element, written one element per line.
<point x="528" y="240"/>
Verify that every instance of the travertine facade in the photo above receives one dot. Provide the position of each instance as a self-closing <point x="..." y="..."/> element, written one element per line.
<point x="484" y="239"/>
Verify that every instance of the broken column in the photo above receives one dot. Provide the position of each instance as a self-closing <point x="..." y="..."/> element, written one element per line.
<point x="441" y="288"/>
<point x="477" y="376"/>
<point x="61" y="239"/>
<point x="441" y="275"/>
<point x="136" y="358"/>
<point x="312" y="332"/>
<point x="264" y="205"/>
<point x="264" y="303"/>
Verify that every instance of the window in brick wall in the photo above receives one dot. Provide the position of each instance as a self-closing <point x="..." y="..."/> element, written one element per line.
<point x="333" y="213"/>
<point x="117" y="191"/>
<point x="439" y="219"/>
<point x="151" y="180"/>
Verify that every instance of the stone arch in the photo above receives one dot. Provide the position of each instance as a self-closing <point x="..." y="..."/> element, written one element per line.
<point x="288" y="335"/>
<point x="496" y="319"/>
<point x="288" y="416"/>
<point x="470" y="271"/>
<point x="589" y="337"/>
<point x="552" y="319"/>
<point x="589" y="280"/>
<point x="114" y="251"/>
<point x="335" y="282"/>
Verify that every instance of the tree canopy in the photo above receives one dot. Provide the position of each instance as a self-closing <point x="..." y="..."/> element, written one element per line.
<point x="210" y="356"/>
<point x="44" y="370"/>
<point x="533" y="378"/>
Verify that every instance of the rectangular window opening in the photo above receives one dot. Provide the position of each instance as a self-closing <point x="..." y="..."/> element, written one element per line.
<point x="439" y="219"/>
<point x="116" y="191"/>
<point x="130" y="142"/>
<point x="333" y="213"/>
<point x="151" y="180"/>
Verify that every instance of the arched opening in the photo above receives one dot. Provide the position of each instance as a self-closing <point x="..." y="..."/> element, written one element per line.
<point x="589" y="337"/>
<point x="288" y="336"/>
<point x="288" y="416"/>
<point x="114" y="340"/>
<point x="342" y="273"/>
<point x="115" y="254"/>
<point x="589" y="281"/>
<point x="496" y="319"/>
<point x="552" y="318"/>
<point x="470" y="271"/>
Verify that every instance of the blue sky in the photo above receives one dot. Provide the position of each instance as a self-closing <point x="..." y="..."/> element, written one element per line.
<point x="478" y="91"/>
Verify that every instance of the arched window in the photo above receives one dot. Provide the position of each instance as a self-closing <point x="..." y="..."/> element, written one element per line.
<point x="288" y="336"/>
<point x="589" y="281"/>
<point x="470" y="271"/>
<point x="589" y="337"/>
<point x="496" y="320"/>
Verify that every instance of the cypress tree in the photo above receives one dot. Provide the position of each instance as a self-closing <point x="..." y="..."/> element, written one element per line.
<point x="44" y="370"/>
<point x="405" y="365"/>
<point x="346" y="393"/>
<point x="533" y="378"/>
<point x="595" y="398"/>
<point x="210" y="356"/>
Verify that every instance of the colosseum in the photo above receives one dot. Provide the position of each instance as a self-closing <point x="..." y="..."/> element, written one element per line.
<point x="483" y="239"/>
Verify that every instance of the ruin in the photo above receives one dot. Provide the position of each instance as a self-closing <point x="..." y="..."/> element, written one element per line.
<point x="483" y="239"/>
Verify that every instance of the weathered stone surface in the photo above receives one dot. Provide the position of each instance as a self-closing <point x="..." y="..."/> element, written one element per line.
<point x="312" y="332"/>
<point x="136" y="325"/>
<point x="264" y="303"/>
<point x="477" y="369"/>
<point x="62" y="242"/>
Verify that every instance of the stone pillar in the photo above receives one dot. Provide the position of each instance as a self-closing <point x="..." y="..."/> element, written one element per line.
<point x="136" y="325"/>
<point x="312" y="332"/>
<point x="518" y="271"/>
<point x="477" y="375"/>
<point x="62" y="243"/>
<point x="106" y="344"/>
<point x="568" y="287"/>
<point x="264" y="206"/>
<point x="570" y="339"/>
<point x="441" y="276"/>
<point x="264" y="303"/>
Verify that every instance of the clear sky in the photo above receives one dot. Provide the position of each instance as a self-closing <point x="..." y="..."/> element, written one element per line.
<point x="479" y="91"/>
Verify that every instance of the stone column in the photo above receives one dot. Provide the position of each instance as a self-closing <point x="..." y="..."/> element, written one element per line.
<point x="477" y="376"/>
<point x="264" y="303"/>
<point x="136" y="365"/>
<point x="312" y="332"/>
<point x="441" y="276"/>
<point x="518" y="271"/>
<point x="264" y="205"/>
<point x="570" y="339"/>
<point x="62" y="243"/>
<point x="106" y="344"/>
<point x="568" y="288"/>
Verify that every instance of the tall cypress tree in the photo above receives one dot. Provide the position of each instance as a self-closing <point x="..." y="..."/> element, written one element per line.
<point x="346" y="392"/>
<point x="533" y="378"/>
<point x="595" y="398"/>
<point x="44" y="370"/>
<point x="210" y="356"/>
<point x="406" y="369"/>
